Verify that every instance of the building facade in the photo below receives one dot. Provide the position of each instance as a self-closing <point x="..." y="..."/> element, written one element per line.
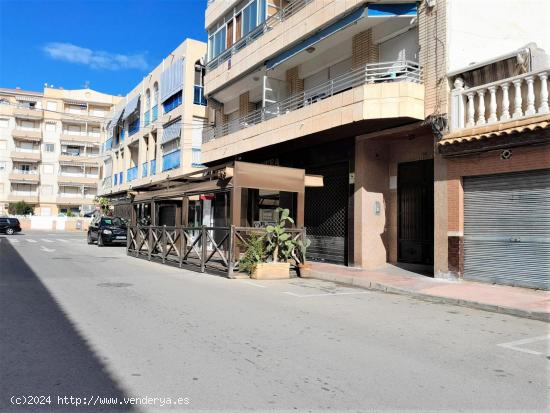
<point x="156" y="130"/>
<point x="50" y="148"/>
<point x="364" y="94"/>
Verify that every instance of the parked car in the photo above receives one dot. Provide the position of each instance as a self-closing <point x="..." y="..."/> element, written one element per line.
<point x="10" y="225"/>
<point x="107" y="230"/>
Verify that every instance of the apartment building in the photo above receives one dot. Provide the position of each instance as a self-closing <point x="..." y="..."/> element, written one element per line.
<point x="49" y="148"/>
<point x="360" y="93"/>
<point x="156" y="130"/>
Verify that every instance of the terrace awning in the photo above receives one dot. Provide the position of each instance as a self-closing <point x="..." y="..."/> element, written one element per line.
<point x="131" y="106"/>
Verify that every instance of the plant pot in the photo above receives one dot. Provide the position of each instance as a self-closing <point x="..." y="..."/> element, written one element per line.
<point x="304" y="270"/>
<point x="271" y="271"/>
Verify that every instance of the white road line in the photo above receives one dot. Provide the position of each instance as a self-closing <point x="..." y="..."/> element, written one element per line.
<point x="43" y="248"/>
<point x="32" y="241"/>
<point x="46" y="240"/>
<point x="13" y="241"/>
<point x="61" y="240"/>
<point x="254" y="284"/>
<point x="514" y="345"/>
<point x="322" y="295"/>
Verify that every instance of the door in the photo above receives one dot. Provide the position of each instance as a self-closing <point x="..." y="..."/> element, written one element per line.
<point x="415" y="213"/>
<point x="326" y="215"/>
<point x="507" y="228"/>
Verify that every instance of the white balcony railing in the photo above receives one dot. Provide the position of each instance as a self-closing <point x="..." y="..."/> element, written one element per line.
<point x="513" y="98"/>
<point x="24" y="172"/>
<point x="400" y="71"/>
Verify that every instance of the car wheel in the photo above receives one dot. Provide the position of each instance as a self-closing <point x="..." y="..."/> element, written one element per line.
<point x="100" y="241"/>
<point x="89" y="239"/>
<point x="10" y="231"/>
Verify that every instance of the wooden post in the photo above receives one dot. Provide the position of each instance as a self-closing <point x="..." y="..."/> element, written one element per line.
<point x="182" y="245"/>
<point x="150" y="243"/>
<point x="230" y="251"/>
<point x="163" y="244"/>
<point x="204" y="244"/>
<point x="300" y="212"/>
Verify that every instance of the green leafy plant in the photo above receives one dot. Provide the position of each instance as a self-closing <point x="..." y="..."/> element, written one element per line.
<point x="104" y="205"/>
<point x="255" y="253"/>
<point x="299" y="253"/>
<point x="280" y="244"/>
<point x="20" y="208"/>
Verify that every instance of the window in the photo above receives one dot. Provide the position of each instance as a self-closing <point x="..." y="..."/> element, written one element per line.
<point x="217" y="43"/>
<point x="250" y="17"/>
<point x="50" y="127"/>
<point x="49" y="147"/>
<point x="27" y="125"/>
<point x="51" y="106"/>
<point x="4" y="123"/>
<point x="25" y="168"/>
<point x="172" y="102"/>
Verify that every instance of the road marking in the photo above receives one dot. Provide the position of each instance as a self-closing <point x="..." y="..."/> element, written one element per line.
<point x="61" y="240"/>
<point x="514" y="345"/>
<point x="43" y="248"/>
<point x="46" y="240"/>
<point x="13" y="241"/>
<point x="321" y="295"/>
<point x="254" y="284"/>
<point x="32" y="241"/>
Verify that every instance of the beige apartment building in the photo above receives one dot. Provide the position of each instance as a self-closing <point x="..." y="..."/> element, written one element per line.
<point x="156" y="130"/>
<point x="382" y="99"/>
<point x="50" y="148"/>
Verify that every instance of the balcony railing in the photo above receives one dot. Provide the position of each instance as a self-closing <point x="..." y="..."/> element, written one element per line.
<point x="198" y="96"/>
<point x="144" y="171"/>
<point x="153" y="167"/>
<point x="171" y="161"/>
<point x="107" y="183"/>
<point x="259" y="31"/>
<point x="155" y="113"/>
<point x="24" y="172"/>
<point x="196" y="158"/>
<point x="108" y="145"/>
<point x="132" y="173"/>
<point x="146" y="117"/>
<point x="513" y="98"/>
<point x="403" y="71"/>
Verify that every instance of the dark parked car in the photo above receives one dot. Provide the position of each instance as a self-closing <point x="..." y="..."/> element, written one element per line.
<point x="107" y="230"/>
<point x="9" y="225"/>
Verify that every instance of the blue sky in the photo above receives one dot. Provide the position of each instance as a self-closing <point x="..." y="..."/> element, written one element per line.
<point x="106" y="44"/>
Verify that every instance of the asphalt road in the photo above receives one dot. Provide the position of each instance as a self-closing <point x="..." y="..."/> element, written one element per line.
<point x="89" y="322"/>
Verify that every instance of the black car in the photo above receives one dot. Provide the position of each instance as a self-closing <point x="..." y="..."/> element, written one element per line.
<point x="9" y="225"/>
<point x="107" y="230"/>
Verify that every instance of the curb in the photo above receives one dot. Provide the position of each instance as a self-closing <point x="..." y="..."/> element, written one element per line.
<point x="375" y="286"/>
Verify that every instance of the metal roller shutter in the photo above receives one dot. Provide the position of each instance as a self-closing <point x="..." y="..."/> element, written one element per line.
<point x="507" y="228"/>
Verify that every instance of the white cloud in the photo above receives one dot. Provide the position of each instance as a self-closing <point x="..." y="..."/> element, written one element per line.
<point x="96" y="59"/>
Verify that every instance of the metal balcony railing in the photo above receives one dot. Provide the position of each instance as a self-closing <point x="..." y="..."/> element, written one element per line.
<point x="132" y="173"/>
<point x="259" y="31"/>
<point x="401" y="71"/>
<point x="144" y="169"/>
<point x="155" y="113"/>
<point x="198" y="97"/>
<point x="153" y="169"/>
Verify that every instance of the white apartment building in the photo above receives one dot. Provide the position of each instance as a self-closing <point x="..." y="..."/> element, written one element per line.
<point x="50" y="148"/>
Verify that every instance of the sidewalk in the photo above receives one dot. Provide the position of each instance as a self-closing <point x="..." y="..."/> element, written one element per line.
<point x="521" y="302"/>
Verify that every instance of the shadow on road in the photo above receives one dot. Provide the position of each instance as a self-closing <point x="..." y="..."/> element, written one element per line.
<point x="41" y="351"/>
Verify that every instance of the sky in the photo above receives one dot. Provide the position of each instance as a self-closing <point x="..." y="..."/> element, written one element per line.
<point x="107" y="45"/>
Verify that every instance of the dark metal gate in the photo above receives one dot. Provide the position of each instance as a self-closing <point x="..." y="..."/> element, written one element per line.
<point x="326" y="215"/>
<point x="415" y="198"/>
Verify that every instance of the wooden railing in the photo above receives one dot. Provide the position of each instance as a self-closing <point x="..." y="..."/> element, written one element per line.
<point x="207" y="249"/>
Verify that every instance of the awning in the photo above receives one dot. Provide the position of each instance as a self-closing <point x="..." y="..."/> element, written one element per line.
<point x="171" y="132"/>
<point x="76" y="103"/>
<point x="317" y="37"/>
<point x="171" y="80"/>
<point x="116" y="119"/>
<point x="22" y="98"/>
<point x="392" y="10"/>
<point x="181" y="190"/>
<point x="131" y="106"/>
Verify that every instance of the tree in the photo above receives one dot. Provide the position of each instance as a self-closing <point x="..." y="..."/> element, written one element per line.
<point x="20" y="208"/>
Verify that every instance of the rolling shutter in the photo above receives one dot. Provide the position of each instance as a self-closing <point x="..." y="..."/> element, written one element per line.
<point x="507" y="228"/>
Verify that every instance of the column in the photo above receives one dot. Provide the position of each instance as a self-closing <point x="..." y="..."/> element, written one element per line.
<point x="543" y="107"/>
<point x="530" y="111"/>
<point x="518" y="112"/>
<point x="481" y="108"/>
<point x="492" y="105"/>
<point x="505" y="102"/>
<point x="470" y="121"/>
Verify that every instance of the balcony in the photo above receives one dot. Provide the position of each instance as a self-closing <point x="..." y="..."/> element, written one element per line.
<point x="376" y="91"/>
<point x="74" y="178"/>
<point x="154" y="113"/>
<point x="27" y="135"/>
<point x="499" y="104"/>
<point x="28" y="113"/>
<point x="80" y="138"/>
<point x="108" y="145"/>
<point x="133" y="128"/>
<point x="144" y="168"/>
<point x="146" y="118"/>
<point x="272" y="21"/>
<point x="26" y="156"/>
<point x="132" y="174"/>
<point x="153" y="169"/>
<point x="171" y="161"/>
<point x="72" y="158"/>
<point x="70" y="198"/>
<point x="29" y="197"/>
<point x="196" y="158"/>
<point x="107" y="183"/>
<point x="22" y="176"/>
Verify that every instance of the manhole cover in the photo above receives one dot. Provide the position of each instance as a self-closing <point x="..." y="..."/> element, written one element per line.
<point x="114" y="285"/>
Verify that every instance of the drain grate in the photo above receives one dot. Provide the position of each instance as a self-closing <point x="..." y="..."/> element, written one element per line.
<point x="114" y="285"/>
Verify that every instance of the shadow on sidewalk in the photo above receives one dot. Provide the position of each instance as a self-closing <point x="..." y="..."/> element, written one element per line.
<point x="41" y="351"/>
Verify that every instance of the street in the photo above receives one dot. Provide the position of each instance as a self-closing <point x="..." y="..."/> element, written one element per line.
<point x="89" y="322"/>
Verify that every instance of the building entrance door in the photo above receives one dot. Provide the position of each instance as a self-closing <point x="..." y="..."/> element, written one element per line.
<point x="415" y="212"/>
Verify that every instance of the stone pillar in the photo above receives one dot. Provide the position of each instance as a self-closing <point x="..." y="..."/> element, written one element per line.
<point x="441" y="246"/>
<point x="245" y="107"/>
<point x="369" y="204"/>
<point x="295" y="84"/>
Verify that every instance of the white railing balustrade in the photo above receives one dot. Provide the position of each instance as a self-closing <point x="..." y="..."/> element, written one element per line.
<point x="384" y="72"/>
<point x="513" y="98"/>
